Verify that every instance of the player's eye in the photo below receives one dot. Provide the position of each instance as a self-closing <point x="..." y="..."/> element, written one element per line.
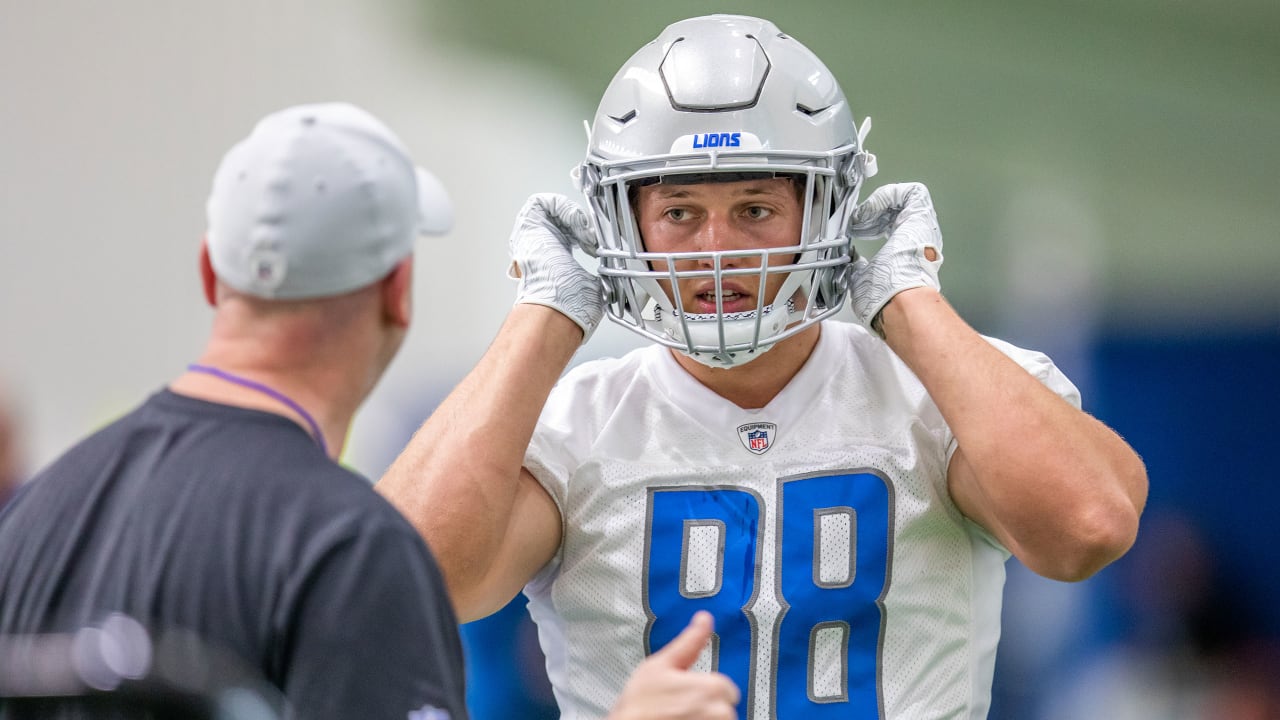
<point x="758" y="212"/>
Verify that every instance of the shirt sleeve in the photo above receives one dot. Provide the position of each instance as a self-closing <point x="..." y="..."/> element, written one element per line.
<point x="550" y="457"/>
<point x="551" y="464"/>
<point x="374" y="634"/>
<point x="563" y="438"/>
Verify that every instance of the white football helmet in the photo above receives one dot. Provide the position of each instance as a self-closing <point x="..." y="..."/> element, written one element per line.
<point x="724" y="97"/>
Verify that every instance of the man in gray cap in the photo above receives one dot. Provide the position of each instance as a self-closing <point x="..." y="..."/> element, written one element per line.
<point x="216" y="506"/>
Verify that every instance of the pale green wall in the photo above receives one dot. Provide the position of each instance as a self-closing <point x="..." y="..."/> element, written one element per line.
<point x="1152" y="123"/>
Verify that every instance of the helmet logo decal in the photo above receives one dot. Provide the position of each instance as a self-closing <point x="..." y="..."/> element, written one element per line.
<point x="724" y="139"/>
<point x="757" y="437"/>
<point x="738" y="140"/>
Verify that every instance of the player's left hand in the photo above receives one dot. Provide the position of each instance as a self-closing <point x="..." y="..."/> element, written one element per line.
<point x="909" y="259"/>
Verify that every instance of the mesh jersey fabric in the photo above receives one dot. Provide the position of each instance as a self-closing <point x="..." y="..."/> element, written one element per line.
<point x="818" y="530"/>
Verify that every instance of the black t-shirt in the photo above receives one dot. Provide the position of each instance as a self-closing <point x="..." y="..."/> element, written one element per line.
<point x="233" y="524"/>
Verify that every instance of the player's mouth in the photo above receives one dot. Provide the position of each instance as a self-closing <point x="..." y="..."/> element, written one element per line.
<point x="734" y="301"/>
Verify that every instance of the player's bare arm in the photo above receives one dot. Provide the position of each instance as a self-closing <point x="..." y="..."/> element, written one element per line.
<point x="1061" y="490"/>
<point x="461" y="479"/>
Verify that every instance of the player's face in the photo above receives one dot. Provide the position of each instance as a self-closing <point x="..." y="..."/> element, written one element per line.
<point x="707" y="217"/>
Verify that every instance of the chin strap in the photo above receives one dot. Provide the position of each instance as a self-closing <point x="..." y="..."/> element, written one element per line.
<point x="669" y="321"/>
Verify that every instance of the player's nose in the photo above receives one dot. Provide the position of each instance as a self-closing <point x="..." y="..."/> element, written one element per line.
<point x="717" y="234"/>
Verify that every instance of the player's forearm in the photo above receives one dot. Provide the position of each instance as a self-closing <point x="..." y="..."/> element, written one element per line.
<point x="1059" y="487"/>
<point x="457" y="479"/>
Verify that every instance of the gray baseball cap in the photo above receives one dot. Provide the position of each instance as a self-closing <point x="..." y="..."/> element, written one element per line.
<point x="319" y="200"/>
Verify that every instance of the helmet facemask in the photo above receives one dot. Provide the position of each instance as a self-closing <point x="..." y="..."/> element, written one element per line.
<point x="659" y="123"/>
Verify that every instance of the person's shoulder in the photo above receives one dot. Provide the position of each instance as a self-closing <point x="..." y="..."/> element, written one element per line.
<point x="334" y="504"/>
<point x="331" y="484"/>
<point x="589" y="393"/>
<point x="95" y="449"/>
<point x="845" y="331"/>
<point x="1041" y="366"/>
<point x="854" y="339"/>
<point x="269" y="460"/>
<point x="1032" y="360"/>
<point x="1007" y="347"/>
<point x="610" y="364"/>
<point x="609" y="371"/>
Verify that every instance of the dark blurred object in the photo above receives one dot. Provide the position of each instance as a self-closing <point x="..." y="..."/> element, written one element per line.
<point x="1191" y="648"/>
<point x="1198" y="409"/>
<point x="118" y="669"/>
<point x="11" y="460"/>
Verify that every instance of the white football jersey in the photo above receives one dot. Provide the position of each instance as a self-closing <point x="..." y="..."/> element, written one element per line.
<point x="817" y="530"/>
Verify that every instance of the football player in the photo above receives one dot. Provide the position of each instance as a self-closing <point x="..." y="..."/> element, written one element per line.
<point x="840" y="496"/>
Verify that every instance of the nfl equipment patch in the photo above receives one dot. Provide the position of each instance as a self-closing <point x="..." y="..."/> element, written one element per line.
<point x="757" y="437"/>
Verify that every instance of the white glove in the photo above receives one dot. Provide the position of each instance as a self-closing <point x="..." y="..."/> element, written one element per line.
<point x="904" y="212"/>
<point x="547" y="229"/>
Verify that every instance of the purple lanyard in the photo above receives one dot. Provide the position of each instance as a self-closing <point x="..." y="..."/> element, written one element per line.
<point x="268" y="391"/>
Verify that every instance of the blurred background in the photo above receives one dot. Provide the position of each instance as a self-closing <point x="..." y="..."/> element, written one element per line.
<point x="1105" y="172"/>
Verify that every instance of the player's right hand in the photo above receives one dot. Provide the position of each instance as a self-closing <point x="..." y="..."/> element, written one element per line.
<point x="547" y="229"/>
<point x="664" y="688"/>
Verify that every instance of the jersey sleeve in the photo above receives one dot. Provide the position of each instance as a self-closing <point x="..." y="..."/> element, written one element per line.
<point x="547" y="460"/>
<point x="564" y="433"/>
<point x="551" y="463"/>
<point x="373" y="633"/>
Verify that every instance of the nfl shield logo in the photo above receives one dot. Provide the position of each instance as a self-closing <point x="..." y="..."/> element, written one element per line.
<point x="757" y="437"/>
<point x="267" y="268"/>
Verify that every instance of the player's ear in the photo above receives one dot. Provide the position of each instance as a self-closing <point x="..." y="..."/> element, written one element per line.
<point x="207" y="279"/>
<point x="397" y="293"/>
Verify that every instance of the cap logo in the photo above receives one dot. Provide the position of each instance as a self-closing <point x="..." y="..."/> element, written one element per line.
<point x="757" y="437"/>
<point x="266" y="269"/>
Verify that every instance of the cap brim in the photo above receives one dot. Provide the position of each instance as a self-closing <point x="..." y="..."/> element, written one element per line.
<point x="434" y="207"/>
